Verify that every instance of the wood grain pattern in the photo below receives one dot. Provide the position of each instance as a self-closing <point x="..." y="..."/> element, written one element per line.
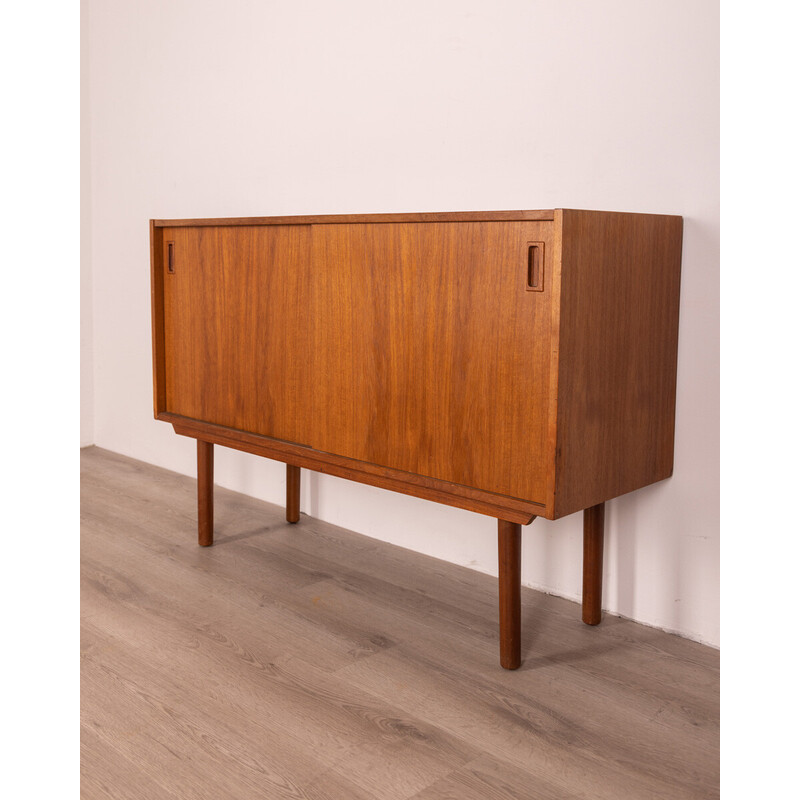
<point x="408" y="323"/>
<point x="234" y="323"/>
<point x="313" y="663"/>
<point x="377" y="343"/>
<point x="409" y="344"/>
<point x="618" y="347"/>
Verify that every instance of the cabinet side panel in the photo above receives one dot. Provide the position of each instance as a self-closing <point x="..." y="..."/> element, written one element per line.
<point x="618" y="344"/>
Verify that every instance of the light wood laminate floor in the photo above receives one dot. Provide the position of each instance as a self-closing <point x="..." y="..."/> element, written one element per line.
<point x="307" y="661"/>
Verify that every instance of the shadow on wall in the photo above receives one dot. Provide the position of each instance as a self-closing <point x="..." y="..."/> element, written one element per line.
<point x="645" y="562"/>
<point x="312" y="479"/>
<point x="620" y="547"/>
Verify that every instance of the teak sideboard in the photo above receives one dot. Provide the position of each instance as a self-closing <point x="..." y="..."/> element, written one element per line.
<point x="518" y="364"/>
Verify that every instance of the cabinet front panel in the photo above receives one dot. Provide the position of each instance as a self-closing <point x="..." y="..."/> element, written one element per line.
<point x="235" y="311"/>
<point x="424" y="347"/>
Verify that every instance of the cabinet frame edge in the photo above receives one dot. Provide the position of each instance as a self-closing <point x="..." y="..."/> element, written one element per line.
<point x="157" y="319"/>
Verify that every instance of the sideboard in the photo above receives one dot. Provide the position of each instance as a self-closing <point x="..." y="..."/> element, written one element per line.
<point x="518" y="364"/>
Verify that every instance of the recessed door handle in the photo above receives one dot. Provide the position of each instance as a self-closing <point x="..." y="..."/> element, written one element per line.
<point x="535" y="267"/>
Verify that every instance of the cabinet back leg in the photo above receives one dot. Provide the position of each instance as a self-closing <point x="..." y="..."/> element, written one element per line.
<point x="292" y="493"/>
<point x="205" y="493"/>
<point x="593" y="525"/>
<point x="509" y="550"/>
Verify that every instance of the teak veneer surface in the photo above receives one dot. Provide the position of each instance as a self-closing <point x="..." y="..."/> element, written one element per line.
<point x="618" y="349"/>
<point x="379" y="343"/>
<point x="411" y="351"/>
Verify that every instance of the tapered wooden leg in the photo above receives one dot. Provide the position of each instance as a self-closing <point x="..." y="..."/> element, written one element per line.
<point x="292" y="493"/>
<point x="205" y="493"/>
<point x="593" y="524"/>
<point x="509" y="549"/>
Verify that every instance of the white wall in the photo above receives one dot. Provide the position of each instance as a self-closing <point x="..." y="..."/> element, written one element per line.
<point x="87" y="315"/>
<point x="213" y="109"/>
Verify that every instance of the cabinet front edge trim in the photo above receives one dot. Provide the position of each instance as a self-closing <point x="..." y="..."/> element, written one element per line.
<point x="334" y="219"/>
<point x="494" y="505"/>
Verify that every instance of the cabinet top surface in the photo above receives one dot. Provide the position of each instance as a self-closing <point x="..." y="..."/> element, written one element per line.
<point x="546" y="215"/>
<point x="332" y="219"/>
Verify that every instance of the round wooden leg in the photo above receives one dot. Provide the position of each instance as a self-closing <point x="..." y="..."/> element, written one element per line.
<point x="292" y="493"/>
<point x="205" y="493"/>
<point x="593" y="526"/>
<point x="509" y="548"/>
